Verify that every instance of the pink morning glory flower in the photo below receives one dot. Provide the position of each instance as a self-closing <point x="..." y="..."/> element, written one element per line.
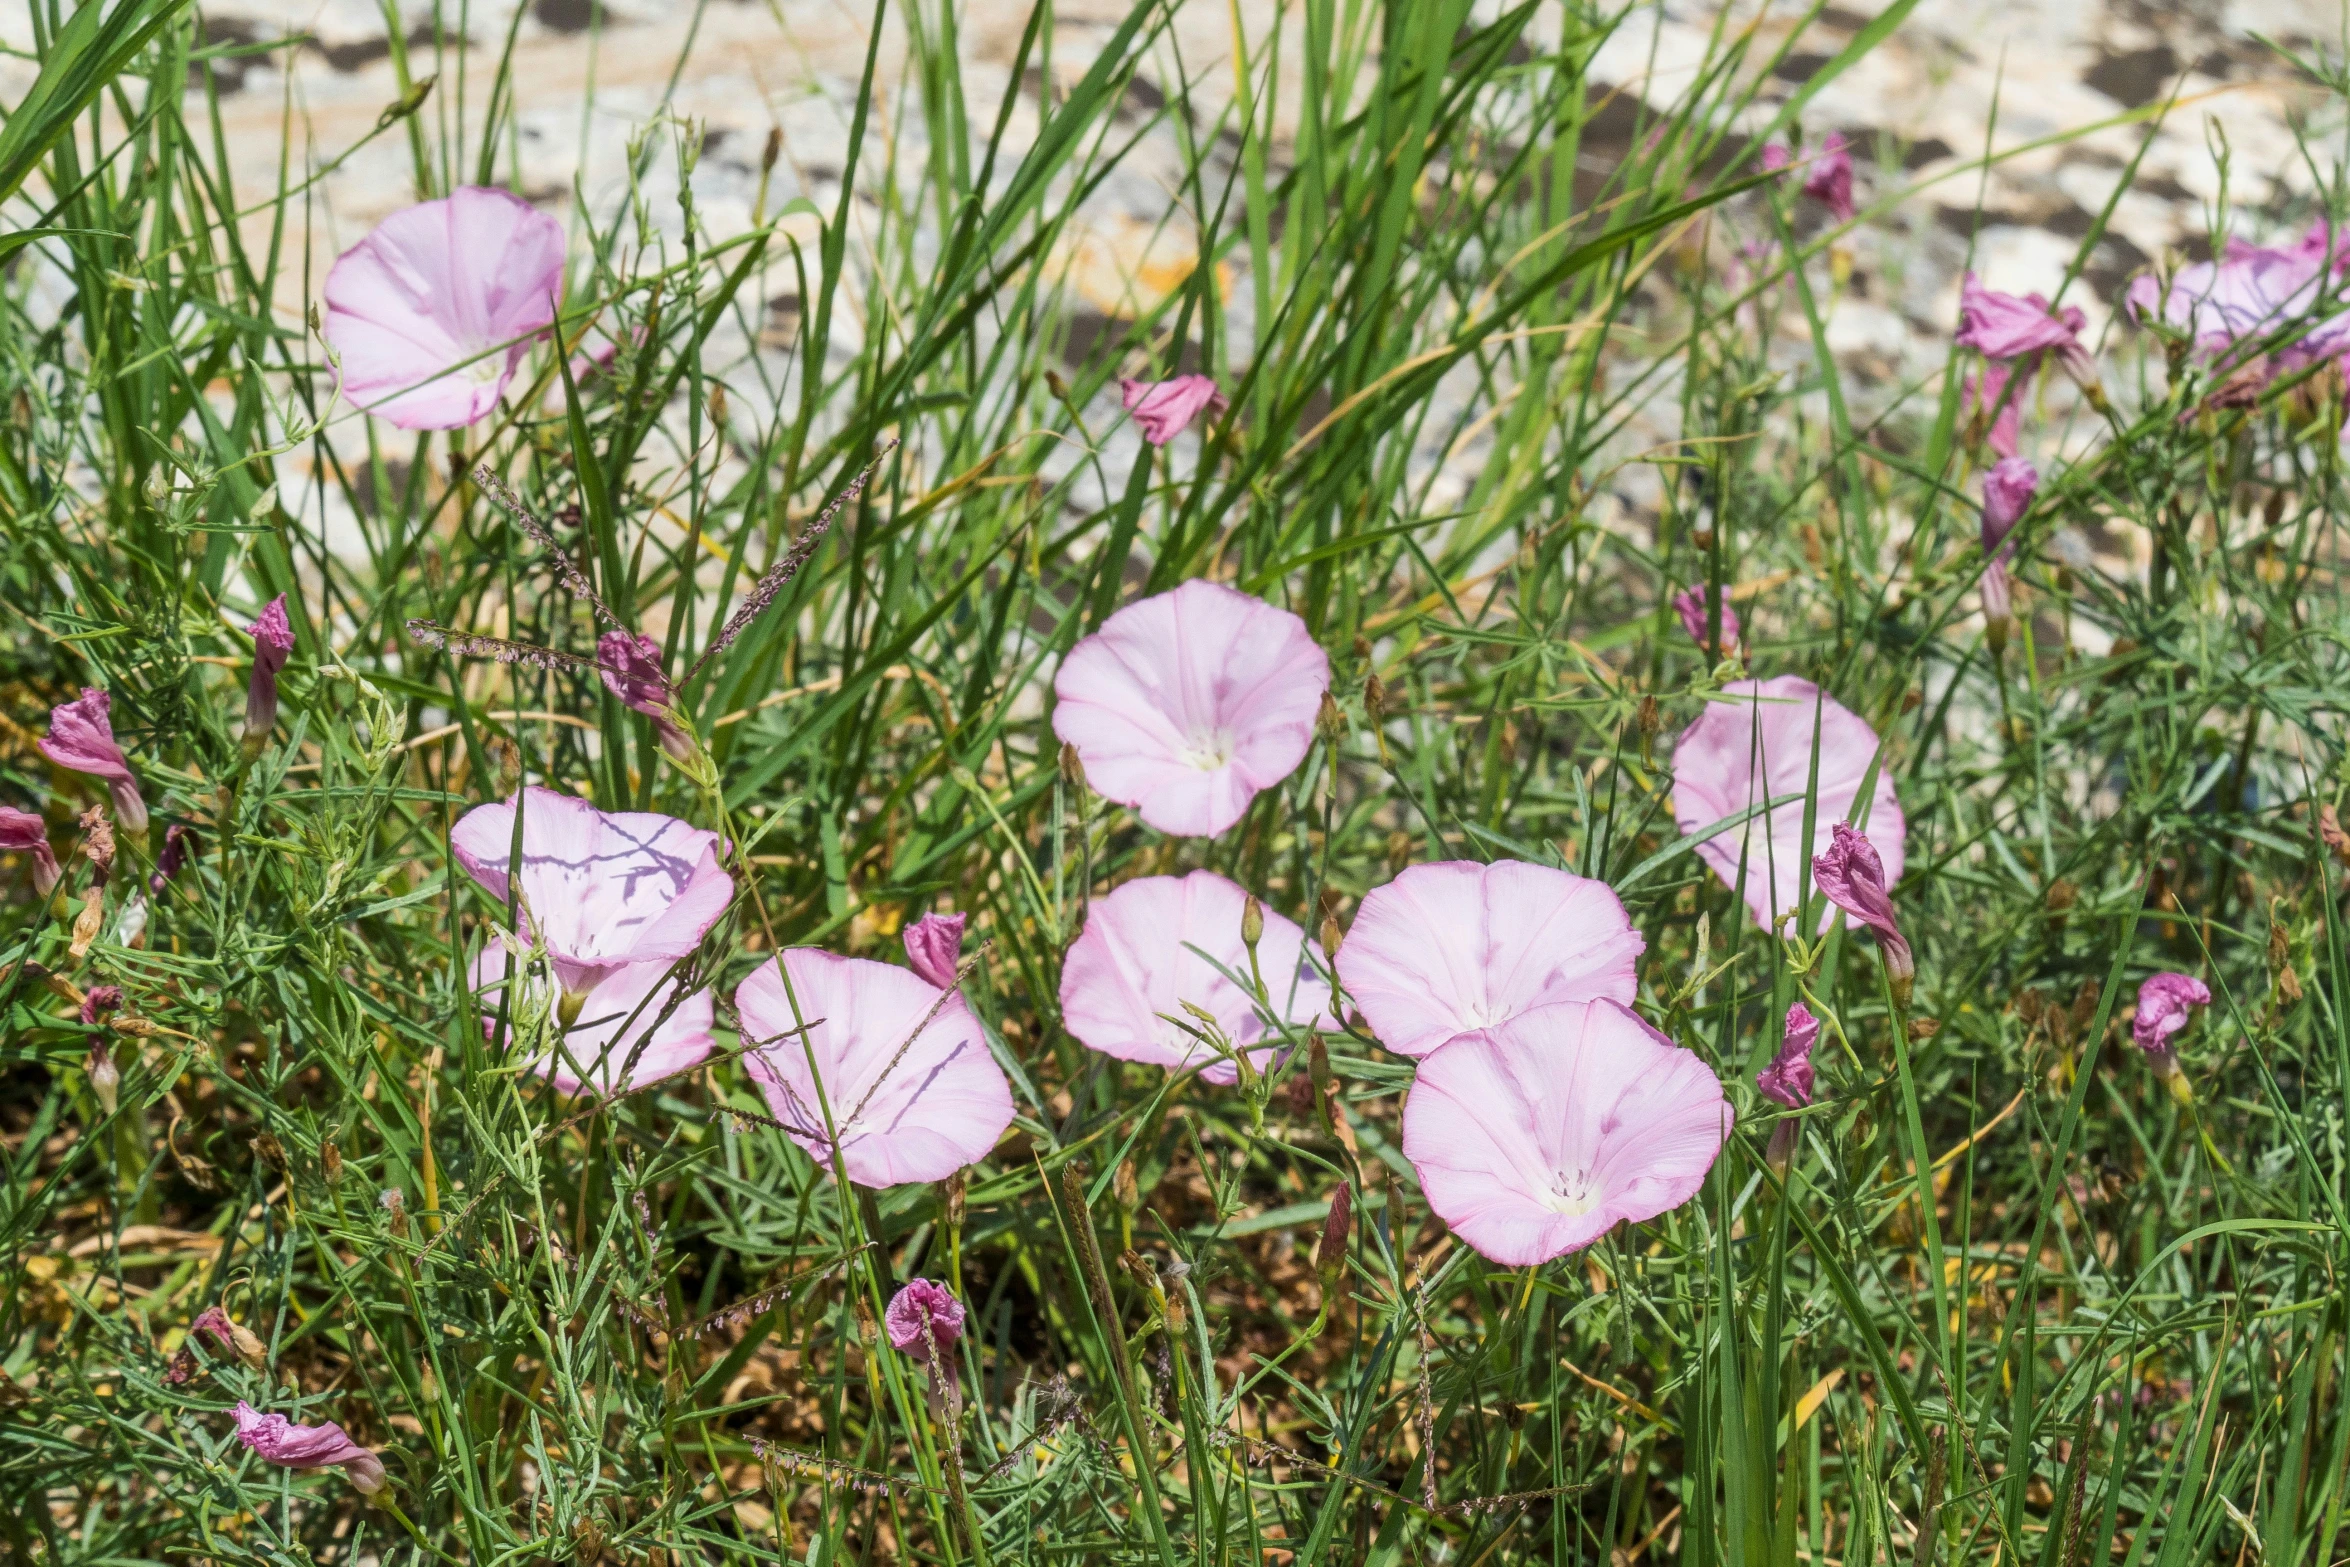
<point x="1690" y="605"/>
<point x="2010" y="326"/>
<point x="1852" y="877"/>
<point x="630" y="665"/>
<point x="1448" y="948"/>
<point x="290" y="1446"/>
<point x="921" y="1315"/>
<point x="1188" y="703"/>
<point x="22" y="832"/>
<point x="1830" y="179"/>
<point x="2166" y="1004"/>
<point x="1535" y="1137"/>
<point x="81" y="740"/>
<point x="1162" y="408"/>
<point x="1757" y="745"/>
<point x="618" y="1018"/>
<point x="911" y="1101"/>
<point x="433" y="311"/>
<point x="598" y="891"/>
<point x="934" y="948"/>
<point x="2253" y="292"/>
<point x="1146" y="950"/>
<point x="273" y="644"/>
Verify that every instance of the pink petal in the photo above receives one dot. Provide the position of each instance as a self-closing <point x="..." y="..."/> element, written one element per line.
<point x="943" y="1105"/>
<point x="1140" y="957"/>
<point x="1451" y="947"/>
<point x="1163" y="408"/>
<point x="1186" y="704"/>
<point x="629" y="998"/>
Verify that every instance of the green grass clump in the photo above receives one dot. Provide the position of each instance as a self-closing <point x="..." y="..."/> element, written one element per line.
<point x="1467" y="317"/>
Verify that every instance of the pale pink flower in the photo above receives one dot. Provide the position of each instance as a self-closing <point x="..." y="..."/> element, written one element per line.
<point x="1163" y="408"/>
<point x="1830" y="179"/>
<point x="1447" y="948"/>
<point x="2165" y="1006"/>
<point x="81" y="740"/>
<point x="934" y="948"/>
<point x="2252" y="294"/>
<point x="22" y="832"/>
<point x="1690" y="605"/>
<point x="1788" y="1079"/>
<point x="921" y="1315"/>
<point x="917" y="1116"/>
<point x="290" y="1446"/>
<point x="618" y="1018"/>
<point x="2010" y="326"/>
<point x="432" y="312"/>
<point x="1775" y="157"/>
<point x="1850" y="875"/>
<point x="1159" y="942"/>
<point x="1535" y="1137"/>
<point x="630" y="666"/>
<point x="598" y="891"/>
<point x="1188" y="703"/>
<point x="1757" y="745"/>
<point x="273" y="644"/>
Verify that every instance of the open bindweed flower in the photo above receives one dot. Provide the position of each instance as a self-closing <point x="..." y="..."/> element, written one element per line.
<point x="1143" y="961"/>
<point x="1756" y="746"/>
<point x="598" y="891"/>
<point x="1691" y="606"/>
<point x="432" y="311"/>
<point x="2253" y="293"/>
<point x="2007" y="494"/>
<point x="934" y="948"/>
<point x="2166" y="1004"/>
<point x="1162" y="408"/>
<point x="619" y="1040"/>
<point x="23" y="832"/>
<point x="81" y="740"/>
<point x="327" y="1446"/>
<point x="1186" y="704"/>
<point x="904" y="1072"/>
<point x="1850" y="875"/>
<point x="2021" y="327"/>
<point x="1788" y="1080"/>
<point x="1451" y="947"/>
<point x="922" y="1316"/>
<point x="1535" y="1137"/>
<point x="273" y="644"/>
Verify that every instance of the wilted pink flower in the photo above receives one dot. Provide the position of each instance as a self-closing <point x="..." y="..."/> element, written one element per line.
<point x="237" y="1340"/>
<point x="1830" y="179"/>
<point x="433" y="311"/>
<point x="1162" y="408"/>
<point x="22" y="832"/>
<point x="1775" y="157"/>
<point x="1851" y="876"/>
<point x="934" y="948"/>
<point x="598" y="892"/>
<point x="2008" y="326"/>
<point x="630" y="665"/>
<point x="911" y="1101"/>
<point x="1756" y="746"/>
<point x="921" y="1315"/>
<point x="1448" y="948"/>
<point x="281" y="1442"/>
<point x="273" y="644"/>
<point x="179" y="841"/>
<point x="81" y="740"/>
<point x="99" y="1001"/>
<point x="1159" y="942"/>
<point x="1188" y="703"/>
<point x="1788" y="1079"/>
<point x="618" y="1019"/>
<point x="2252" y="294"/>
<point x="1988" y="393"/>
<point x="1690" y="605"/>
<point x="2007" y="493"/>
<point x="1534" y="1137"/>
<point x="2165" y="1003"/>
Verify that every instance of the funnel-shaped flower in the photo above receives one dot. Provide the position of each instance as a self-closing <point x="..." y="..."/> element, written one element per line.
<point x="1756" y="746"/>
<point x="921" y="1315"/>
<point x="630" y="665"/>
<point x="22" y="832"/>
<point x="2166" y="1005"/>
<point x="618" y="1019"/>
<point x="2255" y="292"/>
<point x="1852" y="877"/>
<point x="1160" y="945"/>
<point x="2007" y="494"/>
<point x="81" y="740"/>
<point x="1830" y="179"/>
<point x="1534" y="1137"/>
<point x="1186" y="704"/>
<point x="433" y="310"/>
<point x="911" y="1101"/>
<point x="1447" y="948"/>
<point x="2009" y="326"/>
<point x="273" y="644"/>
<point x="1691" y="606"/>
<point x="1162" y="408"/>
<point x="281" y="1442"/>
<point x="934" y="948"/>
<point x="598" y="891"/>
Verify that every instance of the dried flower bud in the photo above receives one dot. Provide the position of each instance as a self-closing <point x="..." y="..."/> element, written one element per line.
<point x="1374" y="698"/>
<point x="86" y="924"/>
<point x="1329" y="722"/>
<point x="955" y="1189"/>
<point x="98" y="841"/>
<point x="269" y="1151"/>
<point x="1072" y="767"/>
<point x="330" y="1161"/>
<point x="1337" y="1232"/>
<point x="1125" y="1188"/>
<point x="1651" y="719"/>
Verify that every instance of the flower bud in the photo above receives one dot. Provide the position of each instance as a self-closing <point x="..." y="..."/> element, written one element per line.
<point x="1252" y="922"/>
<point x="273" y="644"/>
<point x="1072" y="767"/>
<point x="1337" y="1232"/>
<point x="105" y="1080"/>
<point x="1329" y="722"/>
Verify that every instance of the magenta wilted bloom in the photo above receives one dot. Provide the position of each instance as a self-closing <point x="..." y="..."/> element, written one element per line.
<point x="1448" y="948"/>
<point x="2008" y="326"/>
<point x="81" y="740"/>
<point x="239" y="1341"/>
<point x="22" y="832"/>
<point x="99" y="1001"/>
<point x="1788" y="1081"/>
<point x="934" y="948"/>
<point x="1851" y="876"/>
<point x="1830" y="179"/>
<point x="630" y="665"/>
<point x="2165" y="1003"/>
<point x="433" y="311"/>
<point x="1756" y="745"/>
<point x="912" y="1101"/>
<point x="2007" y="494"/>
<point x="1535" y="1137"/>
<point x="619" y="1039"/>
<point x="179" y="841"/>
<point x="598" y="891"/>
<point x="922" y="1315"/>
<point x="290" y="1446"/>
<point x="1188" y="703"/>
<point x="1159" y="942"/>
<point x="273" y="644"/>
<point x="1162" y="408"/>
<point x="1690" y="605"/>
